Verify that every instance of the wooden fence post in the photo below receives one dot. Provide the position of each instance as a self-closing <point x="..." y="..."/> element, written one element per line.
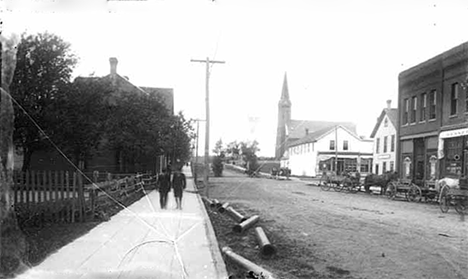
<point x="74" y="197"/>
<point x="27" y="191"/>
<point x="67" y="197"/>
<point x="81" y="200"/>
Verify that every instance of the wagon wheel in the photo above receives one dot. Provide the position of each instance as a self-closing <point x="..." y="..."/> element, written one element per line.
<point x="391" y="190"/>
<point x="325" y="185"/>
<point x="414" y="193"/>
<point x="444" y="200"/>
<point x="461" y="206"/>
<point x="339" y="186"/>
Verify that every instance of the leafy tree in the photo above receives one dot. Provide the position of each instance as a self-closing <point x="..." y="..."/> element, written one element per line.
<point x="217" y="166"/>
<point x="178" y="139"/>
<point x="233" y="149"/>
<point x="218" y="149"/>
<point x="248" y="150"/>
<point x="44" y="66"/>
<point x="80" y="113"/>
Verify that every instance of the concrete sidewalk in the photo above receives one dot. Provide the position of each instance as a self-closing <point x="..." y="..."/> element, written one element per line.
<point x="143" y="241"/>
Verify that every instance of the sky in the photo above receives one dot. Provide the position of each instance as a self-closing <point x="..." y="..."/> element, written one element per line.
<point x="342" y="57"/>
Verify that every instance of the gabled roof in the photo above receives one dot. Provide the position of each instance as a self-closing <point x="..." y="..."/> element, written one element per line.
<point x="297" y="128"/>
<point x="315" y="136"/>
<point x="392" y="114"/>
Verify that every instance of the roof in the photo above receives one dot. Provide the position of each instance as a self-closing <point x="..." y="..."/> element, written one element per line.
<point x="166" y="94"/>
<point x="123" y="84"/>
<point x="317" y="135"/>
<point x="392" y="114"/>
<point x="297" y="128"/>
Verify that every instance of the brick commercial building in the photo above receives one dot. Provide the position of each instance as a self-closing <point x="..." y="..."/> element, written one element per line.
<point x="433" y="118"/>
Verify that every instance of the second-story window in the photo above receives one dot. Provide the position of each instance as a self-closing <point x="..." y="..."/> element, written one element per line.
<point x="405" y="112"/>
<point x="385" y="144"/>
<point x="414" y="107"/>
<point x="332" y="145"/>
<point x="377" y="145"/>
<point x="345" y="145"/>
<point x="422" y="116"/>
<point x="454" y="99"/>
<point x="432" y="104"/>
<point x="392" y="144"/>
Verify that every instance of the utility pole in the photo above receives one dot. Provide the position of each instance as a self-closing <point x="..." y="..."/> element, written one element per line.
<point x="196" y="148"/>
<point x="207" y="122"/>
<point x="336" y="150"/>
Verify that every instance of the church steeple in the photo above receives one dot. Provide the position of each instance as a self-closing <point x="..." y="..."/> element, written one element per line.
<point x="285" y="92"/>
<point x="284" y="117"/>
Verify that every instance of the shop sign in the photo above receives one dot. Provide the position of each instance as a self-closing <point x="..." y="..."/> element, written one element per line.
<point x="384" y="156"/>
<point x="454" y="133"/>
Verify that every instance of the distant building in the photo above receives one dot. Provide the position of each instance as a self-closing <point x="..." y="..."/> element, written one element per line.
<point x="384" y="135"/>
<point x="433" y="117"/>
<point x="304" y="145"/>
<point x="104" y="159"/>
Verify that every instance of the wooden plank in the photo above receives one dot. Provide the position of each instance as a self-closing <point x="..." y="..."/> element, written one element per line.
<point x="80" y="197"/>
<point x="73" y="198"/>
<point x="49" y="192"/>
<point x="27" y="184"/>
<point x="67" y="196"/>
<point x="56" y="192"/>
<point x="34" y="193"/>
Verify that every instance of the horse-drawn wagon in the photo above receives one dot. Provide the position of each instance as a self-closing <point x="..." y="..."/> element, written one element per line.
<point x="349" y="181"/>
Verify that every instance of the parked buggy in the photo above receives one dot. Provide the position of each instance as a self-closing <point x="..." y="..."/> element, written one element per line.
<point x="456" y="197"/>
<point x="404" y="187"/>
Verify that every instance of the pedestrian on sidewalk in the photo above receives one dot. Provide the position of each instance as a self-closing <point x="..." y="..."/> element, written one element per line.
<point x="164" y="185"/>
<point x="178" y="184"/>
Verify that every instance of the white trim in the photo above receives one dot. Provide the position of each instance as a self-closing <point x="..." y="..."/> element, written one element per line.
<point x="454" y="133"/>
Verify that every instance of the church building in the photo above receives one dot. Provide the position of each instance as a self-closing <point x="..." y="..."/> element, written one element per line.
<point x="309" y="147"/>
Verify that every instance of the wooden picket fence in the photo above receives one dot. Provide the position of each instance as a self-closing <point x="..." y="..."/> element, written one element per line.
<point x="60" y="196"/>
<point x="51" y="195"/>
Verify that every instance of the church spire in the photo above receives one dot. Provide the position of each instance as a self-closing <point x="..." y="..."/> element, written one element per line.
<point x="285" y="91"/>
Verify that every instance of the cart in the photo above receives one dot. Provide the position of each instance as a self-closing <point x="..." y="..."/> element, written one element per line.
<point x="406" y="187"/>
<point x="456" y="197"/>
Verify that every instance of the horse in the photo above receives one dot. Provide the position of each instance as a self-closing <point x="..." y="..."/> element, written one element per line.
<point x="381" y="180"/>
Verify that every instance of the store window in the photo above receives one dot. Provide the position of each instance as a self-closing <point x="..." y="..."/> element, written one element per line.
<point x="392" y="166"/>
<point x="453" y="156"/>
<point x="407" y="167"/>
<point x="384" y="167"/>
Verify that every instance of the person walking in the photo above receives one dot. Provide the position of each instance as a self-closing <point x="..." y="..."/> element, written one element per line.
<point x="164" y="185"/>
<point x="178" y="184"/>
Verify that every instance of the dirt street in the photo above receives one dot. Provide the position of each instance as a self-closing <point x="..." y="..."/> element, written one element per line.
<point x="360" y="235"/>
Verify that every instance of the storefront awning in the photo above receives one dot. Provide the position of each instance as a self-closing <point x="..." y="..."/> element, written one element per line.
<point x="449" y="134"/>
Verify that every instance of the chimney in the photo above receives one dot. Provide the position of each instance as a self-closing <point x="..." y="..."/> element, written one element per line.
<point x="389" y="104"/>
<point x="113" y="65"/>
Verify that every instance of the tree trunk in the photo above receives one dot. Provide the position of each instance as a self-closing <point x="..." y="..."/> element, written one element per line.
<point x="12" y="242"/>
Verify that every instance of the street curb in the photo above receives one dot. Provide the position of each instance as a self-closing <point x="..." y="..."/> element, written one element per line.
<point x="212" y="241"/>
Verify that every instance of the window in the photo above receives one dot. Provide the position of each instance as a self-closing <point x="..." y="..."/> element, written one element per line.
<point x="345" y="145"/>
<point x="422" y="116"/>
<point x="454" y="99"/>
<point x="405" y="112"/>
<point x="392" y="166"/>
<point x="414" y="106"/>
<point x="385" y="123"/>
<point x="384" y="167"/>
<point x="392" y="144"/>
<point x="385" y="144"/>
<point x="466" y="100"/>
<point x="432" y="104"/>
<point x="332" y="145"/>
<point x="377" y="145"/>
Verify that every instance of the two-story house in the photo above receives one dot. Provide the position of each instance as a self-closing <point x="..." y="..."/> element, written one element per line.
<point x="333" y="148"/>
<point x="384" y="135"/>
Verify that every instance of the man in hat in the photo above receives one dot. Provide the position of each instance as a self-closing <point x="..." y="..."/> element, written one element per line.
<point x="164" y="185"/>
